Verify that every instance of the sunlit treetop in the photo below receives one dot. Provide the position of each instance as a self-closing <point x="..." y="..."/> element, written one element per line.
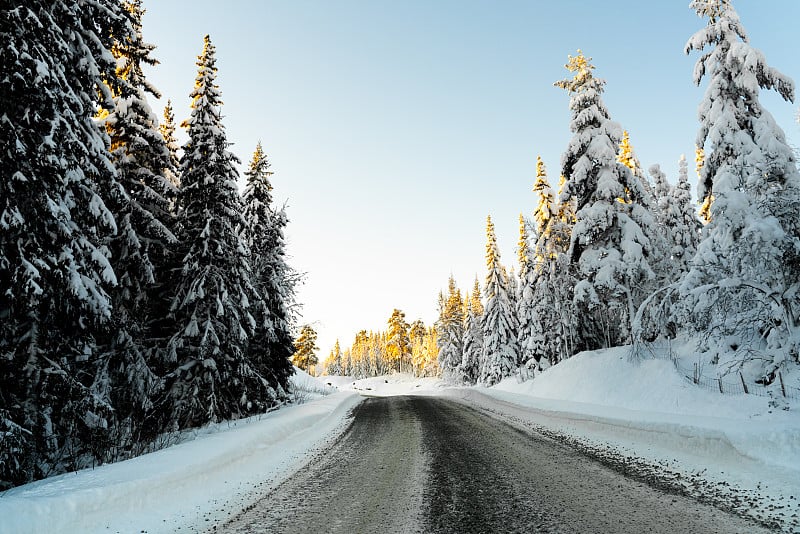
<point x="582" y="68"/>
<point x="522" y="246"/>
<point x="544" y="208"/>
<point x="713" y="9"/>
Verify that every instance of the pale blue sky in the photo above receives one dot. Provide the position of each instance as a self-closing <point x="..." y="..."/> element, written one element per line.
<point x="394" y="128"/>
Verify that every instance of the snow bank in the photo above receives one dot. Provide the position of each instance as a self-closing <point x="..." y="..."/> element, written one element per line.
<point x="190" y="485"/>
<point x="650" y="393"/>
<point x="306" y="387"/>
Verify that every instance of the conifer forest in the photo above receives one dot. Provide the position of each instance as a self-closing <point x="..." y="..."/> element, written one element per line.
<point x="142" y="293"/>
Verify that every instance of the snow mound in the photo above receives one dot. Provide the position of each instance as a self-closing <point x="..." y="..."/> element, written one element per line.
<point x="306" y="387"/>
<point x="610" y="378"/>
<point x="649" y="402"/>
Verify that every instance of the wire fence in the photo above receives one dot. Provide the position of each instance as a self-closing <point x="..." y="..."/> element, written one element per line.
<point x="732" y="383"/>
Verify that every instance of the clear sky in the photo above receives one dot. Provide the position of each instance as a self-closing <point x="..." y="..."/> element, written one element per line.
<point x="395" y="127"/>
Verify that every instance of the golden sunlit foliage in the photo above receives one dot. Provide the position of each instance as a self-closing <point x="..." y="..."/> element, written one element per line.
<point x="705" y="205"/>
<point x="402" y="348"/>
<point x="582" y="68"/>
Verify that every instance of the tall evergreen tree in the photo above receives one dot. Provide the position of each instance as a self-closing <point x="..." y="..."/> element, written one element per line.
<point x="526" y="304"/>
<point x="676" y="218"/>
<point x="398" y="344"/>
<point x="167" y="129"/>
<point x="139" y="250"/>
<point x="682" y="220"/>
<point x="450" y="329"/>
<point x="55" y="272"/>
<point x="552" y="224"/>
<point x="740" y="290"/>
<point x="499" y="341"/>
<point x="610" y="247"/>
<point x="270" y="348"/>
<point x="212" y="378"/>
<point x="471" y="359"/>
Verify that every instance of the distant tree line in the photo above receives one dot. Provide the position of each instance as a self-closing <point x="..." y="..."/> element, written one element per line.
<point x="402" y="348"/>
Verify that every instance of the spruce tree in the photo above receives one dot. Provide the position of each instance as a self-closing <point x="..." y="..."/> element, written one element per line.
<point x="140" y="248"/>
<point x="526" y="304"/>
<point x="450" y="328"/>
<point x="471" y="360"/>
<point x="682" y="220"/>
<point x="740" y="291"/>
<point x="167" y="130"/>
<point x="55" y="272"/>
<point x="500" y="351"/>
<point x="610" y="247"/>
<point x="552" y="236"/>
<point x="270" y="348"/>
<point x="212" y="378"/>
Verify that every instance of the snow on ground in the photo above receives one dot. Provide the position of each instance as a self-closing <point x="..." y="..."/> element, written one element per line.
<point x="387" y="385"/>
<point x="306" y="387"/>
<point x="647" y="410"/>
<point x="601" y="400"/>
<point x="187" y="487"/>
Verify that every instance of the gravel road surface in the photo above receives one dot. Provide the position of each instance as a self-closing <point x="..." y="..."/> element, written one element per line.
<point x="423" y="464"/>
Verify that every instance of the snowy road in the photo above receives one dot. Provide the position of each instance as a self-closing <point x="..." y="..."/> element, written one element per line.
<point x="420" y="464"/>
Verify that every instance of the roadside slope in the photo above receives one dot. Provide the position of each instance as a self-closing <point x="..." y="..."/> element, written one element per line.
<point x="185" y="487"/>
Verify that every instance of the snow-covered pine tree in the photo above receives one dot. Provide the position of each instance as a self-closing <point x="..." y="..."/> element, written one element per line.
<point x="683" y="222"/>
<point x="472" y="355"/>
<point x="167" y="130"/>
<point x="140" y="249"/>
<point x="450" y="329"/>
<point x="741" y="289"/>
<point x="54" y="220"/>
<point x="499" y="341"/>
<point x="610" y="247"/>
<point x="677" y="219"/>
<point x="552" y="224"/>
<point x="270" y="348"/>
<point x="212" y="379"/>
<point x="398" y="344"/>
<point x="529" y="271"/>
<point x="513" y="284"/>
